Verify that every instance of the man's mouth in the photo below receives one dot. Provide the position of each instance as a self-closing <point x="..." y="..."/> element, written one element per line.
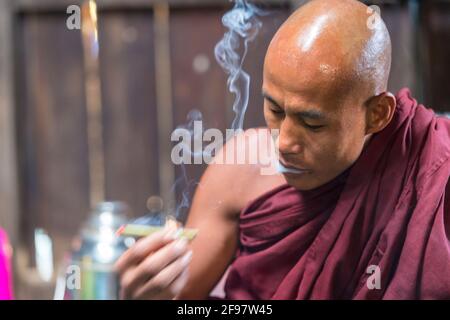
<point x="283" y="168"/>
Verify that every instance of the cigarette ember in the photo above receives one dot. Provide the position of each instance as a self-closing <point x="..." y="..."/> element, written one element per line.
<point x="138" y="231"/>
<point x="120" y="231"/>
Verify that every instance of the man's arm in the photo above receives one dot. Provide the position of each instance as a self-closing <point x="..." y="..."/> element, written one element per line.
<point x="215" y="213"/>
<point x="145" y="268"/>
<point x="224" y="190"/>
<point x="157" y="267"/>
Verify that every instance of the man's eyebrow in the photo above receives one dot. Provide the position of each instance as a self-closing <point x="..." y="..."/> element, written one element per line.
<point x="311" y="114"/>
<point x="272" y="100"/>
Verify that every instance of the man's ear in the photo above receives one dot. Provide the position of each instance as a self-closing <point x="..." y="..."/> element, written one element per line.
<point x="380" y="112"/>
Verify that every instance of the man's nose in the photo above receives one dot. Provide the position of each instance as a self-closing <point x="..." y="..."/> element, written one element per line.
<point x="288" y="140"/>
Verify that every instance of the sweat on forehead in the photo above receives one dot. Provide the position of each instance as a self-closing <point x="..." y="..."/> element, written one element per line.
<point x="330" y="44"/>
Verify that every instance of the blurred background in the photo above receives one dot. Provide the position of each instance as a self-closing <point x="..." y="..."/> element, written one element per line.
<point x="156" y="63"/>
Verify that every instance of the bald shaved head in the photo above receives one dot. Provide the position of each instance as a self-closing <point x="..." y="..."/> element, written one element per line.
<point x="325" y="86"/>
<point x="335" y="39"/>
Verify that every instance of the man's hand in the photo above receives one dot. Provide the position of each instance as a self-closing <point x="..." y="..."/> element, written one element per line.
<point x="156" y="267"/>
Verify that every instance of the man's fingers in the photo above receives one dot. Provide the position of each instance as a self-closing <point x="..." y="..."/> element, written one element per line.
<point x="143" y="248"/>
<point x="178" y="285"/>
<point x="169" y="282"/>
<point x="153" y="265"/>
<point x="175" y="288"/>
<point x="124" y="292"/>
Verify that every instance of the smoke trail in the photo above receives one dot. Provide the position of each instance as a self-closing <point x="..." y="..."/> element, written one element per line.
<point x="192" y="132"/>
<point x="243" y="26"/>
<point x="188" y="186"/>
<point x="194" y="117"/>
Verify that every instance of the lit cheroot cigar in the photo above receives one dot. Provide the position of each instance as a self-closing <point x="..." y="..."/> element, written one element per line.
<point x="138" y="231"/>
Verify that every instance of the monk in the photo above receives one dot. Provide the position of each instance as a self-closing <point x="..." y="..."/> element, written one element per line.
<point x="361" y="209"/>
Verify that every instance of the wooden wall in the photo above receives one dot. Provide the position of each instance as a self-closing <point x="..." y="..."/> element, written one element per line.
<point x="149" y="83"/>
<point x="435" y="53"/>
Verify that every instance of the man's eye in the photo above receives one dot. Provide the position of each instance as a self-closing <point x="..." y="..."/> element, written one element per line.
<point x="317" y="127"/>
<point x="276" y="111"/>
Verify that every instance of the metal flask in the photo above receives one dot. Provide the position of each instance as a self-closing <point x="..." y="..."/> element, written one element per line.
<point x="95" y="252"/>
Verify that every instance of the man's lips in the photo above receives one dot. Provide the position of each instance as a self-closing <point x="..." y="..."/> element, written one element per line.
<point x="291" y="166"/>
<point x="282" y="167"/>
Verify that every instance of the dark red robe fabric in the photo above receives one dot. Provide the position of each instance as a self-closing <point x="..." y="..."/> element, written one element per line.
<point x="390" y="210"/>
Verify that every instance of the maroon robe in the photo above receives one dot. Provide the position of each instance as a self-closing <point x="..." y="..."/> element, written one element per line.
<point x="390" y="210"/>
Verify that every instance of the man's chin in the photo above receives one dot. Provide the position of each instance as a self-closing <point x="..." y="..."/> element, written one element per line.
<point x="303" y="181"/>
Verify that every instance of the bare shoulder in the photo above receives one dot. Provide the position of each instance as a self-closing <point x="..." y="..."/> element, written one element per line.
<point x="227" y="185"/>
<point x="237" y="174"/>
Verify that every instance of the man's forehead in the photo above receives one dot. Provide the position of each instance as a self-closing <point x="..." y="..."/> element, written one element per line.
<point x="313" y="80"/>
<point x="318" y="68"/>
<point x="313" y="106"/>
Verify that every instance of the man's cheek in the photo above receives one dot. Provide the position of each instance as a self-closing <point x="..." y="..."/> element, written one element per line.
<point x="347" y="154"/>
<point x="323" y="150"/>
<point x="331" y="157"/>
<point x="271" y="123"/>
